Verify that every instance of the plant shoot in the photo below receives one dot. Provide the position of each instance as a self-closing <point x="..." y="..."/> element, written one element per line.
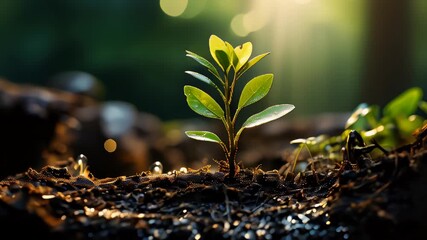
<point x="231" y="64"/>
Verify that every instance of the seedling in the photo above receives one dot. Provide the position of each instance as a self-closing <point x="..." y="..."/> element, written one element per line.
<point x="303" y="143"/>
<point x="232" y="63"/>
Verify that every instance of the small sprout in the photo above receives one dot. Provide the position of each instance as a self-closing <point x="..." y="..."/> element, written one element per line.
<point x="232" y="62"/>
<point x="303" y="143"/>
<point x="156" y="168"/>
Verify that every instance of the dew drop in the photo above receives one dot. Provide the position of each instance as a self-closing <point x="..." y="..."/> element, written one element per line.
<point x="156" y="168"/>
<point x="80" y="166"/>
<point x="183" y="170"/>
<point x="82" y="159"/>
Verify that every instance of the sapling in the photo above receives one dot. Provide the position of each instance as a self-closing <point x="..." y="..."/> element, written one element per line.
<point x="231" y="63"/>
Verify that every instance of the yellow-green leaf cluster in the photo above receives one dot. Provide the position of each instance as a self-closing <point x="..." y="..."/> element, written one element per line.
<point x="227" y="58"/>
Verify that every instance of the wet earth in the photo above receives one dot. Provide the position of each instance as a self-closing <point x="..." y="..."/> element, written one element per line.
<point x="363" y="198"/>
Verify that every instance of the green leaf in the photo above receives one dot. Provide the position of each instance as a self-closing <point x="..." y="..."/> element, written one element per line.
<point x="205" y="79"/>
<point x="202" y="103"/>
<point x="251" y="63"/>
<point x="243" y="53"/>
<point x="423" y="106"/>
<point x="204" y="136"/>
<point x="307" y="141"/>
<point x="216" y="46"/>
<point x="298" y="141"/>
<point x="364" y="117"/>
<point x="201" y="77"/>
<point x="267" y="115"/>
<point x="223" y="59"/>
<point x="234" y="60"/>
<point x="255" y="90"/>
<point x="204" y="62"/>
<point x="407" y="126"/>
<point x="405" y="104"/>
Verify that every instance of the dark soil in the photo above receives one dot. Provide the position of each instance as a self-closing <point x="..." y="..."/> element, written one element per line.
<point x="382" y="198"/>
<point x="43" y="194"/>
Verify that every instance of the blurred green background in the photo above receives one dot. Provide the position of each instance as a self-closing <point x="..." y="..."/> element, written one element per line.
<point x="327" y="55"/>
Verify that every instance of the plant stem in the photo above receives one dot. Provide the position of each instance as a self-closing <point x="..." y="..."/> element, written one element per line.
<point x="231" y="154"/>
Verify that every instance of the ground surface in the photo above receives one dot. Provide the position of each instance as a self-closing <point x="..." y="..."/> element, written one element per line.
<point x="365" y="198"/>
<point x="381" y="197"/>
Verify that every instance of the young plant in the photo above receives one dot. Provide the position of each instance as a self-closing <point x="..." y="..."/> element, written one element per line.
<point x="393" y="125"/>
<point x="232" y="63"/>
<point x="302" y="143"/>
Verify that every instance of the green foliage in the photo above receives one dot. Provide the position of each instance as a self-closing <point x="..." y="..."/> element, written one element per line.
<point x="390" y="127"/>
<point x="395" y="124"/>
<point x="232" y="62"/>
<point x="202" y="103"/>
<point x="423" y="106"/>
<point x="369" y="130"/>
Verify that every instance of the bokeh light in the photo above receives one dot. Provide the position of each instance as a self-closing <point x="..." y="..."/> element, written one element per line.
<point x="238" y="27"/>
<point x="110" y="145"/>
<point x="173" y="8"/>
<point x="194" y="8"/>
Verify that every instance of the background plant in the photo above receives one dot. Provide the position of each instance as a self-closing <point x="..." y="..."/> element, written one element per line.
<point x="232" y="63"/>
<point x="391" y="127"/>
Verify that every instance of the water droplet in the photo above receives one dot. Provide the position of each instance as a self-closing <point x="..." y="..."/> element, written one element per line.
<point x="156" y="168"/>
<point x="80" y="166"/>
<point x="183" y="170"/>
<point x="82" y="159"/>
